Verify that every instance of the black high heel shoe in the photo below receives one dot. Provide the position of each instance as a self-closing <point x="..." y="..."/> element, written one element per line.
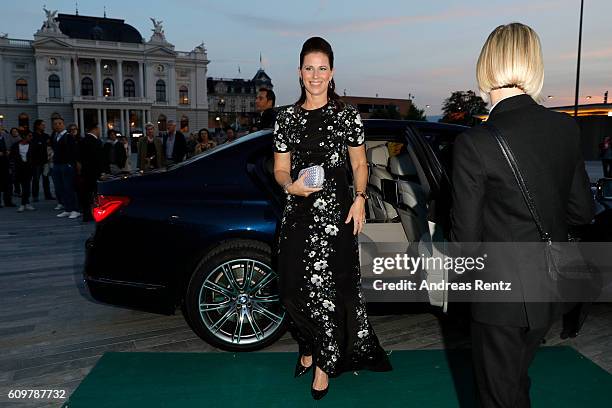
<point x="300" y="369"/>
<point x="318" y="394"/>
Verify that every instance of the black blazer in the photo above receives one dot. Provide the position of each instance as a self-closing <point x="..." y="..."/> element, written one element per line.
<point x="39" y="145"/>
<point x="22" y="168"/>
<point x="180" y="147"/>
<point x="92" y="159"/>
<point x="64" y="150"/>
<point x="267" y="119"/>
<point x="488" y="205"/>
<point x="120" y="154"/>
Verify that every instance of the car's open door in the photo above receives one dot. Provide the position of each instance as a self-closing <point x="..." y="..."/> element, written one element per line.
<point x="435" y="187"/>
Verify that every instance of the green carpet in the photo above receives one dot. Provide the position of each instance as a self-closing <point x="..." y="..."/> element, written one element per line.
<point x="561" y="377"/>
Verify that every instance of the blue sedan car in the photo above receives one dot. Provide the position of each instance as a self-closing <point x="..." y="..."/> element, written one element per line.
<point x="200" y="235"/>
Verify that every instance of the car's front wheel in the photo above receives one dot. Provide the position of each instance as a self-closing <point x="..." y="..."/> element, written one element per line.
<point x="232" y="299"/>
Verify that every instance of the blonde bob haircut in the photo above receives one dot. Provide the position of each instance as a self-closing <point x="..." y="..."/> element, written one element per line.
<point x="511" y="57"/>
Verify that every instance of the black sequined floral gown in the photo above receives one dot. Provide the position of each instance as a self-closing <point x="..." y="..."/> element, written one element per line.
<point x="318" y="259"/>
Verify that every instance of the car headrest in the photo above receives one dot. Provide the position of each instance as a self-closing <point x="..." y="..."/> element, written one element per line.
<point x="378" y="155"/>
<point x="402" y="165"/>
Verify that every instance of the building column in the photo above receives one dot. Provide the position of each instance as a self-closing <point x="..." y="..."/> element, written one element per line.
<point x="41" y="92"/>
<point x="122" y="121"/>
<point x="82" y="120"/>
<point x="66" y="91"/>
<point x="193" y="97"/>
<point x="172" y="85"/>
<point x="75" y="115"/>
<point x="104" y="130"/>
<point x="2" y="81"/>
<point x="98" y="78"/>
<point x="141" y="79"/>
<point x="144" y="119"/>
<point x="119" y="89"/>
<point x="128" y="123"/>
<point x="76" y="79"/>
<point x="99" y="119"/>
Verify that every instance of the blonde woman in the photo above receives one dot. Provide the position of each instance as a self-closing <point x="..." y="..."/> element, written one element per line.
<point x="488" y="205"/>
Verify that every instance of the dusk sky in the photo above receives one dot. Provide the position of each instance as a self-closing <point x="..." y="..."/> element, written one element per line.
<point x="389" y="48"/>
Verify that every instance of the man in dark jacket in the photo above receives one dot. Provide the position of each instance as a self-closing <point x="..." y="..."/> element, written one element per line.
<point x="90" y="167"/>
<point x="110" y="165"/>
<point x="175" y="145"/>
<point x="64" y="166"/>
<point x="150" y="150"/>
<point x="22" y="156"/>
<point x="5" y="176"/>
<point x="120" y="154"/>
<point x="264" y="104"/>
<point x="40" y="141"/>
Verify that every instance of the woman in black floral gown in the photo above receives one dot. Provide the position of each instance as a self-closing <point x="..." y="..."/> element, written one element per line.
<point x="318" y="258"/>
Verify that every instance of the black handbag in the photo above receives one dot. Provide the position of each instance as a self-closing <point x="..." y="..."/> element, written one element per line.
<point x="571" y="276"/>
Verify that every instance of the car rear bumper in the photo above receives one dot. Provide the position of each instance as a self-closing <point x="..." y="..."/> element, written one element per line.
<point x="145" y="295"/>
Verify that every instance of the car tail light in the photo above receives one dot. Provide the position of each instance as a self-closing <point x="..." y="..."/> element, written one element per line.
<point x="106" y="205"/>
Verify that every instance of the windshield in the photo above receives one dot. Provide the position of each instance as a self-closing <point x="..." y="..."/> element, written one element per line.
<point x="223" y="146"/>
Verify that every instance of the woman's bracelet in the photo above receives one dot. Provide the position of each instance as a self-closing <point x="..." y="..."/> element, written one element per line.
<point x="287" y="184"/>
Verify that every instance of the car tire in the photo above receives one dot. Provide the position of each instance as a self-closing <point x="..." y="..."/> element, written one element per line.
<point x="232" y="299"/>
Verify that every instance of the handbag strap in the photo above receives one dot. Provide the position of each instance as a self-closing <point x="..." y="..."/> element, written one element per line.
<point x="518" y="176"/>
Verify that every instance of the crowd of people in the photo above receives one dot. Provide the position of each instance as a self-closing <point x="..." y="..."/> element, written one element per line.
<point x="74" y="161"/>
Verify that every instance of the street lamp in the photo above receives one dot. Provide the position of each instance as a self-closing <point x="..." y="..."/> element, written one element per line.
<point x="578" y="63"/>
<point x="221" y="105"/>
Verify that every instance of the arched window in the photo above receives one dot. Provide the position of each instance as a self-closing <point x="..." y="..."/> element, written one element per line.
<point x="160" y="91"/>
<point x="183" y="95"/>
<point x="87" y="87"/>
<point x="108" y="87"/>
<point x="22" y="89"/>
<point x="161" y="123"/>
<point x="129" y="89"/>
<point x="184" y="124"/>
<point x="54" y="87"/>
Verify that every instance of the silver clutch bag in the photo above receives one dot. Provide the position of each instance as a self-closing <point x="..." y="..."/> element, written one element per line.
<point x="315" y="176"/>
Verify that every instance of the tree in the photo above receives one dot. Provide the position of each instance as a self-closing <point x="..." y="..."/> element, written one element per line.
<point x="415" y="113"/>
<point x="461" y="107"/>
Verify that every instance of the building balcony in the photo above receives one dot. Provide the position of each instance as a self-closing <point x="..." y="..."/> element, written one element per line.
<point x="112" y="99"/>
<point x="16" y="43"/>
<point x="51" y="99"/>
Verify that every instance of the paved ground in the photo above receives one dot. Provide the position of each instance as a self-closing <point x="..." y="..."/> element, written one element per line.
<point x="52" y="333"/>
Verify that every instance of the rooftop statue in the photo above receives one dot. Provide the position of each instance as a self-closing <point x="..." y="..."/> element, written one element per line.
<point x="158" y="31"/>
<point x="51" y="24"/>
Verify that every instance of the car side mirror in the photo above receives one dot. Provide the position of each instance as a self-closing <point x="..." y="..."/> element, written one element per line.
<point x="389" y="191"/>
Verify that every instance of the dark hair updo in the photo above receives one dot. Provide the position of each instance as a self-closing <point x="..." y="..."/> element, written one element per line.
<point x="318" y="44"/>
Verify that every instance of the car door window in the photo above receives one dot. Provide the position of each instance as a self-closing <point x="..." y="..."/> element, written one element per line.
<point x="441" y="143"/>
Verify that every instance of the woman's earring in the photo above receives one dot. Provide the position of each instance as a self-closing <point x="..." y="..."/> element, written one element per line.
<point x="301" y="82"/>
<point x="332" y="85"/>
